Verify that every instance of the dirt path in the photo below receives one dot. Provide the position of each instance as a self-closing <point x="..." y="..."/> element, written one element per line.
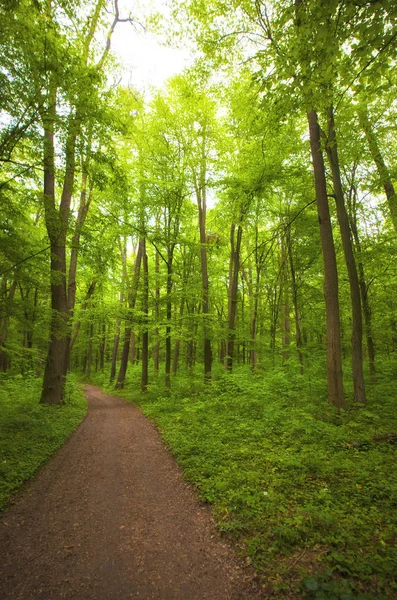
<point x="110" y="517"/>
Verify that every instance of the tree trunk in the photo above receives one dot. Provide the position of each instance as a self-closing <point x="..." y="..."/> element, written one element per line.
<point x="175" y="359"/>
<point x="298" y="334"/>
<point x="145" y="310"/>
<point x="83" y="308"/>
<point x="168" y="326"/>
<point x="71" y="290"/>
<point x="4" y="324"/>
<point x="89" y="354"/>
<point x="284" y="309"/>
<point x="233" y="291"/>
<point x="133" y="348"/>
<point x="201" y="198"/>
<point x="357" y="325"/>
<point x="56" y="223"/>
<point x="116" y="341"/>
<point x="127" y="331"/>
<point x="334" y="359"/>
<point x="364" y="293"/>
<point x="156" y="350"/>
<point x="102" y="347"/>
<point x="377" y="157"/>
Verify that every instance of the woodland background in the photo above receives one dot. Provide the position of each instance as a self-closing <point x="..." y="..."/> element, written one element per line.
<point x="227" y="247"/>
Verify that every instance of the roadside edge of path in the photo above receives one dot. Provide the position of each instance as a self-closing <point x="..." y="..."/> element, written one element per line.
<point x="25" y="481"/>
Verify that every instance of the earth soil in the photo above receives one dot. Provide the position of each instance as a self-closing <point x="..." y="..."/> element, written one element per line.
<point x="110" y="517"/>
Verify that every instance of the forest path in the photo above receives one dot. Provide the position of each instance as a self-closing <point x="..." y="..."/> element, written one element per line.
<point x="110" y="517"/>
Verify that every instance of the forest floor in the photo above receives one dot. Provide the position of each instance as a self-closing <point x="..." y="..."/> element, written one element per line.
<point x="110" y="516"/>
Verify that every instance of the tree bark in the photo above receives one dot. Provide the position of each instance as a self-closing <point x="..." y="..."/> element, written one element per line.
<point x="377" y="157"/>
<point x="168" y="326"/>
<point x="175" y="358"/>
<point x="84" y="305"/>
<point x="334" y="357"/>
<point x="363" y="290"/>
<point x="357" y="325"/>
<point x="284" y="309"/>
<point x="298" y="333"/>
<point x="4" y="323"/>
<point x="116" y="341"/>
<point x="56" y="223"/>
<point x="145" y="310"/>
<point x="156" y="350"/>
<point x="233" y="291"/>
<point x="128" y="328"/>
<point x="201" y="198"/>
<point x="89" y="354"/>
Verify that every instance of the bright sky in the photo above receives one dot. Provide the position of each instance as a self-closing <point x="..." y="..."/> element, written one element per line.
<point x="145" y="58"/>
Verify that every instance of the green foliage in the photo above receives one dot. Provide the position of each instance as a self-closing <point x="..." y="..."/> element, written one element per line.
<point x="32" y="432"/>
<point x="307" y="494"/>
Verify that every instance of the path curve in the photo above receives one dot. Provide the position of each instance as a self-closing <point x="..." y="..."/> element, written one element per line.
<point x="110" y="518"/>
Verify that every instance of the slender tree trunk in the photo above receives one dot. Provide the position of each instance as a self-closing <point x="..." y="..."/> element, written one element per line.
<point x="83" y="308"/>
<point x="71" y="289"/>
<point x="364" y="293"/>
<point x="145" y="310"/>
<point x="5" y="318"/>
<point x="156" y="350"/>
<point x="233" y="291"/>
<point x="133" y="348"/>
<point x="298" y="333"/>
<point x="116" y="341"/>
<point x="89" y="354"/>
<point x="201" y="198"/>
<point x="357" y="326"/>
<point x="102" y="348"/>
<point x="377" y="157"/>
<point x="253" y="308"/>
<point x="175" y="359"/>
<point x="334" y="357"/>
<point x="127" y="331"/>
<point x="284" y="309"/>
<point x="168" y="326"/>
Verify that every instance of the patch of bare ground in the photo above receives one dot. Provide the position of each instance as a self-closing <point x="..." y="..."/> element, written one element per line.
<point x="110" y="517"/>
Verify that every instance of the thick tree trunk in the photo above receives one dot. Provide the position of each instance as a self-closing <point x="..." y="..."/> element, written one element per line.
<point x="357" y="326"/>
<point x="56" y="222"/>
<point x="377" y="157"/>
<point x="334" y="357"/>
<point x="145" y="310"/>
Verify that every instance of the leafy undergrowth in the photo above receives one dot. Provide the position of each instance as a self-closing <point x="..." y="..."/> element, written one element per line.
<point x="31" y="432"/>
<point x="307" y="495"/>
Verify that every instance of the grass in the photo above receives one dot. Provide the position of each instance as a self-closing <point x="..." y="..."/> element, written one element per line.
<point x="306" y="494"/>
<point x="32" y="432"/>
